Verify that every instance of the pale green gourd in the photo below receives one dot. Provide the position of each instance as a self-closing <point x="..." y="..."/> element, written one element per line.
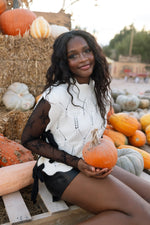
<point x="128" y="102"/>
<point x="130" y="160"/>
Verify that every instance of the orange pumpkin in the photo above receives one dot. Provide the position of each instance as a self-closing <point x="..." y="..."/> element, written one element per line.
<point x="124" y="123"/>
<point x="117" y="137"/>
<point x="3" y="6"/>
<point x="109" y="126"/>
<point x="108" y="138"/>
<point x="37" y="98"/>
<point x="16" y="21"/>
<point x="16" y="177"/>
<point x="145" y="121"/>
<point x="12" y="152"/>
<point x="100" y="153"/>
<point x="138" y="139"/>
<point x="110" y="112"/>
<point x="145" y="155"/>
<point x="147" y="132"/>
<point x="139" y="126"/>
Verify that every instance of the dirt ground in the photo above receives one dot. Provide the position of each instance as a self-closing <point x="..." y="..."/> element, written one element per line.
<point x="120" y="84"/>
<point x="131" y="86"/>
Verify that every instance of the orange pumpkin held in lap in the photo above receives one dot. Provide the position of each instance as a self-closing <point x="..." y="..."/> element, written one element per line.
<point x="100" y="153"/>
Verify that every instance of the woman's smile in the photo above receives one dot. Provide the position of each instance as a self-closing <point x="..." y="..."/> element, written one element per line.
<point x="85" y="67"/>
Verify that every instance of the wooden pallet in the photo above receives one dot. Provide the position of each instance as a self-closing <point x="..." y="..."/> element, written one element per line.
<point x="57" y="212"/>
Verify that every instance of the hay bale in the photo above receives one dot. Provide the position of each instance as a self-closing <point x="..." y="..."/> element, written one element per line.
<point x="24" y="60"/>
<point x="3" y="119"/>
<point x="15" y="124"/>
<point x="12" y="123"/>
<point x="2" y="91"/>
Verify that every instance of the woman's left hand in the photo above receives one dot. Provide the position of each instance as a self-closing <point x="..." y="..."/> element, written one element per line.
<point x="101" y="173"/>
<point x="92" y="171"/>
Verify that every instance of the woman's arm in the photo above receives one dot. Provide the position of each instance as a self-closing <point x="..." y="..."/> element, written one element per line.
<point x="33" y="133"/>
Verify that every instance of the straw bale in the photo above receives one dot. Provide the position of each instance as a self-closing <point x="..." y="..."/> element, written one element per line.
<point x="14" y="123"/>
<point x="2" y="91"/>
<point x="29" y="48"/>
<point x="6" y="73"/>
<point x="25" y="48"/>
<point x="35" y="91"/>
<point x="6" y="47"/>
<point x="24" y="60"/>
<point x="3" y="119"/>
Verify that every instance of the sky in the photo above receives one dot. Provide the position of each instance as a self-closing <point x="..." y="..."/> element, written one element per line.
<point x="104" y="17"/>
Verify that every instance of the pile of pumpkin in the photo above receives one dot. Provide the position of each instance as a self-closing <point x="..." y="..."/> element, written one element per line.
<point x="121" y="145"/>
<point x="136" y="105"/>
<point x="127" y="132"/>
<point x="23" y="22"/>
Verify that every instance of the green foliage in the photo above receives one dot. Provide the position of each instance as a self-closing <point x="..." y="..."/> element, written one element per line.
<point x="120" y="44"/>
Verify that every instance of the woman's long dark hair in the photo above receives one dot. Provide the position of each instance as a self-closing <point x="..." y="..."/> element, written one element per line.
<point x="59" y="72"/>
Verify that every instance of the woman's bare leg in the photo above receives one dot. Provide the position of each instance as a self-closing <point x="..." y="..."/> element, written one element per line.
<point x="113" y="202"/>
<point x="139" y="185"/>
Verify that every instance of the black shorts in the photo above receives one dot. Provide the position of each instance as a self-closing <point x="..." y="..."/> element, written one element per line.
<point x="57" y="183"/>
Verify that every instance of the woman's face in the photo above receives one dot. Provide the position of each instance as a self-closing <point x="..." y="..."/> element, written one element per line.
<point x="80" y="59"/>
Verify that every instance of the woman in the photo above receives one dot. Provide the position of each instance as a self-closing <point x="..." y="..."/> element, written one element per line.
<point x="75" y="102"/>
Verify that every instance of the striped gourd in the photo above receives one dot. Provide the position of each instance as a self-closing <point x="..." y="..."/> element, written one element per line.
<point x="40" y="28"/>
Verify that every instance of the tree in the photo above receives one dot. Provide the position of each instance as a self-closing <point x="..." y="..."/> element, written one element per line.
<point x="129" y="42"/>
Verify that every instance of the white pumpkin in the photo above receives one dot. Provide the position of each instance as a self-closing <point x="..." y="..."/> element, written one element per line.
<point x="128" y="102"/>
<point x="17" y="97"/>
<point x="56" y="30"/>
<point x="130" y="160"/>
<point x="40" y="28"/>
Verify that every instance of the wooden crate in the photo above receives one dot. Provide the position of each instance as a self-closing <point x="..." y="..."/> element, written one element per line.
<point x="57" y="212"/>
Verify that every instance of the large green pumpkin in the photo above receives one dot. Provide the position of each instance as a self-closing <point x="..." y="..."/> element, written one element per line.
<point x="128" y="102"/>
<point x="130" y="160"/>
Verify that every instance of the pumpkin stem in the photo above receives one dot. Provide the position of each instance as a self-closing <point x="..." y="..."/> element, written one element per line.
<point x="95" y="141"/>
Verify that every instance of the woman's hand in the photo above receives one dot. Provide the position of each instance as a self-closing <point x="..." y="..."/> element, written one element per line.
<point x="91" y="171"/>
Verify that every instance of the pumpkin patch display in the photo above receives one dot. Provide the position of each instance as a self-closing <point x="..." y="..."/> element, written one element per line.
<point x="3" y="6"/>
<point x="145" y="155"/>
<point x="130" y="160"/>
<point x="145" y="120"/>
<point x="15" y="177"/>
<point x="100" y="153"/>
<point x="17" y="21"/>
<point x="124" y="123"/>
<point x="117" y="137"/>
<point x="40" y="28"/>
<point x="138" y="139"/>
<point x="12" y="152"/>
<point x="147" y="132"/>
<point x="17" y="97"/>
